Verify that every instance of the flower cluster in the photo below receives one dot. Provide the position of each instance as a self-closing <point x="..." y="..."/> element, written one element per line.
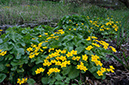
<point x="38" y="71"/>
<point x="36" y="49"/>
<point x="51" y="70"/>
<point x="103" y="43"/>
<point x="2" y="53"/>
<point x="21" y="81"/>
<point x="109" y="24"/>
<point x="102" y="70"/>
<point x="82" y="67"/>
<point x="89" y="47"/>
<point x="95" y="59"/>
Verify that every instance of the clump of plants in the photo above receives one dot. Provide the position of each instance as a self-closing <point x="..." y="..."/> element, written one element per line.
<point x="61" y="55"/>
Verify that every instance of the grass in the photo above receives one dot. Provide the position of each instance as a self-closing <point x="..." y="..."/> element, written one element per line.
<point x="22" y="12"/>
<point x="30" y="11"/>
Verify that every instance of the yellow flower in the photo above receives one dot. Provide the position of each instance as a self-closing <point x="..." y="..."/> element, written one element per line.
<point x="91" y="21"/>
<point x="107" y="28"/>
<point x="69" y="28"/>
<point x="32" y="45"/>
<point x="46" y="33"/>
<point x="82" y="67"/>
<point x="41" y="69"/>
<point x="95" y="44"/>
<point x="93" y="37"/>
<point x="18" y="81"/>
<point x="57" y="58"/>
<point x="46" y="41"/>
<point x="102" y="26"/>
<point x="56" y="70"/>
<point x="100" y="73"/>
<point x="113" y="49"/>
<point x="63" y="58"/>
<point x="78" y="58"/>
<point x="1" y="30"/>
<point x="57" y="63"/>
<point x="44" y="47"/>
<point x="82" y="23"/>
<point x="29" y="49"/>
<point x="0" y="50"/>
<point x="8" y="65"/>
<point x="111" y="70"/>
<point x="84" y="57"/>
<point x="73" y="58"/>
<point x="67" y="62"/>
<point x="91" y="27"/>
<point x="53" y="61"/>
<point x="58" y="50"/>
<point x="33" y="38"/>
<point x="74" y="52"/>
<point x="101" y="29"/>
<point x="49" y="38"/>
<point x="25" y="79"/>
<point x="63" y="64"/>
<point x="52" y="35"/>
<point x="93" y="58"/>
<point x="108" y="70"/>
<point x="37" y="71"/>
<point x="63" y="51"/>
<point x="74" y="29"/>
<point x="31" y="55"/>
<point x="51" y="70"/>
<point x="98" y="63"/>
<point x="50" y="49"/>
<point x="111" y="67"/>
<point x="103" y="69"/>
<point x="69" y="54"/>
<point x="89" y="47"/>
<point x="40" y="36"/>
<point x="89" y="38"/>
<point x="56" y="54"/>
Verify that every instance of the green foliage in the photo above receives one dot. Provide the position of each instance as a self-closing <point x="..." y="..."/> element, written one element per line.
<point x="42" y="50"/>
<point x="31" y="81"/>
<point x="15" y="41"/>
<point x="2" y="77"/>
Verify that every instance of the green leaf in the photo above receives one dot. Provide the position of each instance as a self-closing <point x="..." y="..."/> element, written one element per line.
<point x="31" y="81"/>
<point x="14" y="68"/>
<point x="20" y="70"/>
<point x="18" y="56"/>
<point x="73" y="73"/>
<point x="55" y="44"/>
<point x="45" y="80"/>
<point x="1" y="41"/>
<point x="2" y="67"/>
<point x="2" y="77"/>
<point x="23" y="44"/>
<point x="97" y="76"/>
<point x="1" y="58"/>
<point x="39" y="60"/>
<point x="59" y="83"/>
<point x="79" y="49"/>
<point x="66" y="70"/>
<point x="104" y="76"/>
<point x="93" y="69"/>
<point x="20" y="51"/>
<point x="68" y="37"/>
<point x="59" y="77"/>
<point x="67" y="80"/>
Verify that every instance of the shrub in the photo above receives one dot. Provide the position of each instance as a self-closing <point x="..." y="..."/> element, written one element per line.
<point x="58" y="55"/>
